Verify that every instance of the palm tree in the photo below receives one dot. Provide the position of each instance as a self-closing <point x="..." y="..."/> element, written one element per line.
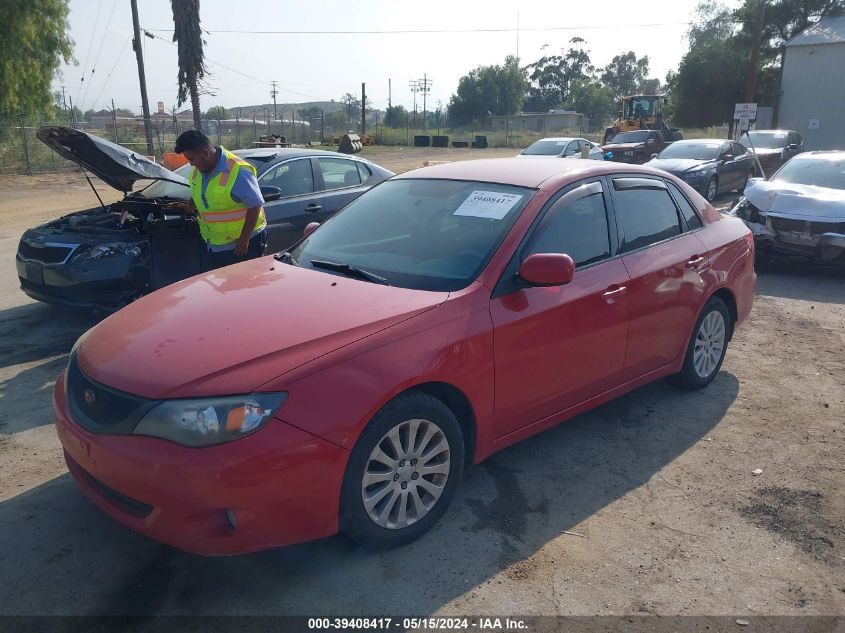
<point x="188" y="36"/>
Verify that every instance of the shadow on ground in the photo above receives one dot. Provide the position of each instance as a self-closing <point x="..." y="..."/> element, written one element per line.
<point x="68" y="558"/>
<point x="34" y="342"/>
<point x="799" y="278"/>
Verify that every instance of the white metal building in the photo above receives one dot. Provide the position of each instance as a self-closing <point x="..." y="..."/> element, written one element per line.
<point x="812" y="96"/>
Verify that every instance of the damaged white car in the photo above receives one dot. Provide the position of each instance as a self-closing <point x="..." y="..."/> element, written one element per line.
<point x="801" y="210"/>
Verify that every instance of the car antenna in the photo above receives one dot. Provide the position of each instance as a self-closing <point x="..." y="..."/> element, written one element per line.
<point x="84" y="173"/>
<point x="754" y="151"/>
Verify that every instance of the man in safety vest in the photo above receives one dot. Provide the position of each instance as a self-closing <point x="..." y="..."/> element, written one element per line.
<point x="226" y="198"/>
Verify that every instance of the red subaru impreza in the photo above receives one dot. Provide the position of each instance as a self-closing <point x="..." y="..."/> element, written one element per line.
<point x="440" y="317"/>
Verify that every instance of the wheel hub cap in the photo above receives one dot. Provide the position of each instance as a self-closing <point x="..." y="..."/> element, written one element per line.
<point x="709" y="344"/>
<point x="405" y="474"/>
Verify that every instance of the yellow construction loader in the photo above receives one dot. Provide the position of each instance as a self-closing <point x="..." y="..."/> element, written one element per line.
<point x="641" y="112"/>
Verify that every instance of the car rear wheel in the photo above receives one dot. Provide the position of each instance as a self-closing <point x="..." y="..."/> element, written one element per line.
<point x="402" y="472"/>
<point x="707" y="346"/>
<point x="712" y="189"/>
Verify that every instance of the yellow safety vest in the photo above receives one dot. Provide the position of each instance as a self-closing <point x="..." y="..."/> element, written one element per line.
<point x="223" y="220"/>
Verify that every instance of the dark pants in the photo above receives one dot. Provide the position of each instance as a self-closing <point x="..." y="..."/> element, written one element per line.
<point x="210" y="261"/>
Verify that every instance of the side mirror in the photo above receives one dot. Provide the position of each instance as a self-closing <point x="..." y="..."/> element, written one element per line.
<point x="547" y="269"/>
<point x="653" y="156"/>
<point x="725" y="159"/>
<point x="792" y="146"/>
<point x="310" y="228"/>
<point x="271" y="193"/>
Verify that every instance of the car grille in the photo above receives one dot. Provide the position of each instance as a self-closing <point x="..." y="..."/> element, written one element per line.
<point x="785" y="224"/>
<point x="52" y="254"/>
<point x="105" y="410"/>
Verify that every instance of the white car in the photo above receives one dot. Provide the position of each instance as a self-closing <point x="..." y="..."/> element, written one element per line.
<point x="561" y="147"/>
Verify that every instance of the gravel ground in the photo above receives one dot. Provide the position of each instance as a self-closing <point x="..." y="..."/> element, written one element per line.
<point x="645" y="505"/>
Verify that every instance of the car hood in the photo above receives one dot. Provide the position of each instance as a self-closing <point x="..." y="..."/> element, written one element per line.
<point x="113" y="164"/>
<point x="234" y="329"/>
<point x="679" y="165"/>
<point x="621" y="147"/>
<point x="797" y="202"/>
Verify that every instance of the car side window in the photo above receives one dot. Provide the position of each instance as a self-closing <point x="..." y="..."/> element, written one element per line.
<point x="739" y="149"/>
<point x="577" y="228"/>
<point x="725" y="150"/>
<point x="339" y="173"/>
<point x="690" y="216"/>
<point x="364" y="171"/>
<point x="647" y="214"/>
<point x="294" y="177"/>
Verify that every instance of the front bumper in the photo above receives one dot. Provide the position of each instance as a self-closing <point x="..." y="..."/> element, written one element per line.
<point x="91" y="283"/>
<point x="281" y="484"/>
<point x="817" y="240"/>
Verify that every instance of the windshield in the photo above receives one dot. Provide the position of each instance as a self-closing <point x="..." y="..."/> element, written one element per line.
<point x="817" y="171"/>
<point x="421" y="234"/>
<point x="765" y="140"/>
<point x="642" y="107"/>
<point x="166" y="189"/>
<point x="639" y="136"/>
<point x="695" y="150"/>
<point x="545" y="148"/>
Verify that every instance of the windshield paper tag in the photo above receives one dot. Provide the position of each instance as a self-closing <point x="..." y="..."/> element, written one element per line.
<point x="488" y="204"/>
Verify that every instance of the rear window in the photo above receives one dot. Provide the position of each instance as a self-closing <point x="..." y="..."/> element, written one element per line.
<point x="691" y="217"/>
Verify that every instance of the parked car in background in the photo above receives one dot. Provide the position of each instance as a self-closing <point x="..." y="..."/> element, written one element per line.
<point x="773" y="147"/>
<point x="710" y="166"/>
<point x="101" y="257"/>
<point x="635" y="147"/>
<point x="442" y="316"/>
<point x="801" y="210"/>
<point x="561" y="147"/>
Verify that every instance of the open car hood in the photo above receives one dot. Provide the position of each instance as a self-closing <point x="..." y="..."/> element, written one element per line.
<point x="797" y="202"/>
<point x="113" y="164"/>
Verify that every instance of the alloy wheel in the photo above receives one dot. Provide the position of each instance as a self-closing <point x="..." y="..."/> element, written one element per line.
<point x="709" y="344"/>
<point x="712" y="190"/>
<point x="405" y="474"/>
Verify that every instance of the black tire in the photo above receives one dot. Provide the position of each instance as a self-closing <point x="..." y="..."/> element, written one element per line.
<point x="689" y="377"/>
<point x="354" y="518"/>
<point x="712" y="185"/>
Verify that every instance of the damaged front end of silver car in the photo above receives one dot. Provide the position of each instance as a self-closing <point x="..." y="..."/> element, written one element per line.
<point x="787" y="221"/>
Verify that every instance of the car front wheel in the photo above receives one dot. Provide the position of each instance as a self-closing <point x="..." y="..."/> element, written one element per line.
<point x="402" y="472"/>
<point x="707" y="346"/>
<point x="712" y="189"/>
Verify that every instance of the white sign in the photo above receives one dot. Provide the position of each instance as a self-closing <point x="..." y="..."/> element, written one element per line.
<point x="488" y="204"/>
<point x="745" y="108"/>
<point x="744" y="122"/>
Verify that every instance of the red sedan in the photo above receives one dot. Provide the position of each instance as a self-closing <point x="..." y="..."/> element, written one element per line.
<point x="440" y="317"/>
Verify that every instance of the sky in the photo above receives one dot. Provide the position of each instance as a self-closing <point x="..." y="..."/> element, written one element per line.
<point x="324" y="66"/>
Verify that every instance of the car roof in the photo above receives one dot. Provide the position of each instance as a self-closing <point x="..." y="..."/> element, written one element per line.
<point x="282" y="153"/>
<point x="702" y="140"/>
<point x="829" y="154"/>
<point x="522" y="173"/>
<point x="559" y="138"/>
<point x="775" y="131"/>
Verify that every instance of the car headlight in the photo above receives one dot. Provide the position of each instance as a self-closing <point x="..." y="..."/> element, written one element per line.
<point x="209" y="421"/>
<point x="106" y="250"/>
<point x="695" y="173"/>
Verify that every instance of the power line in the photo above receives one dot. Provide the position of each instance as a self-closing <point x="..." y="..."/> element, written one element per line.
<point x="88" y="54"/>
<point x="447" y="31"/>
<point x="99" y="50"/>
<point x="123" y="50"/>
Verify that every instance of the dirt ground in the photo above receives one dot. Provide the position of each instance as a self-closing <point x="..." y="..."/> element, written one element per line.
<point x="645" y="505"/>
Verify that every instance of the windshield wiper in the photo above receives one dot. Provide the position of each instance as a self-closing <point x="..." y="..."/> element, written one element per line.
<point x="286" y="258"/>
<point x="350" y="271"/>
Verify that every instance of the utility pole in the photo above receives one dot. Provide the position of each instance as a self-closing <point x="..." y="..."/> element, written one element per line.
<point x="64" y="101"/>
<point x="72" y="121"/>
<point x="415" y="88"/>
<point x="273" y="94"/>
<point x="754" y="60"/>
<point x="114" y="120"/>
<point x="145" y="105"/>
<point x="424" y="85"/>
<point x="363" y="108"/>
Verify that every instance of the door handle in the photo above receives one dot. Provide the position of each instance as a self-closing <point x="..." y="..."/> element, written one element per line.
<point x="695" y="262"/>
<point x="313" y="208"/>
<point x="611" y="294"/>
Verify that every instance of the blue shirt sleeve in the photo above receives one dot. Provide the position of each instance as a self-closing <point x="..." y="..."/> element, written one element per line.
<point x="246" y="191"/>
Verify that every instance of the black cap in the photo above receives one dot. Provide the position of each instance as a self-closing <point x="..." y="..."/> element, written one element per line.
<point x="191" y="140"/>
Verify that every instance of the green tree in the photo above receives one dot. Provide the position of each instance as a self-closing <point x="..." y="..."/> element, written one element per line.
<point x="594" y="100"/>
<point x="33" y="44"/>
<point x="396" y="116"/>
<point x="216" y="112"/>
<point x="312" y="112"/>
<point x="552" y="77"/>
<point x="188" y="36"/>
<point x="489" y="90"/>
<point x="649" y="86"/>
<point x="624" y="74"/>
